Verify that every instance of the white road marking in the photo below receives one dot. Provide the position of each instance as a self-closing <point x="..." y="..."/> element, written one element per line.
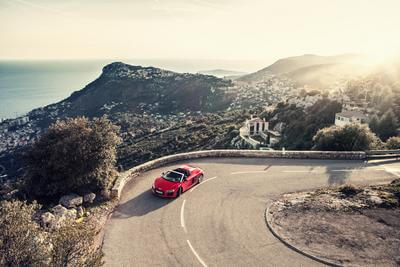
<point x="338" y="170"/>
<point x="393" y="171"/>
<point x="348" y="170"/>
<point x="197" y="255"/>
<point x="234" y="173"/>
<point x="182" y="216"/>
<point x="300" y="171"/>
<point x="209" y="179"/>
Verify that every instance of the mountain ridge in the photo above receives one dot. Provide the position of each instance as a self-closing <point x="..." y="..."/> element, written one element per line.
<point x="286" y="66"/>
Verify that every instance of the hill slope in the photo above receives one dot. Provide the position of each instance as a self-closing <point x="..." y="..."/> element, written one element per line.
<point x="126" y="88"/>
<point x="310" y="69"/>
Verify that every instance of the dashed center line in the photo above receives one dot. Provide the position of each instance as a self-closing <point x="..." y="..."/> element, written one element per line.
<point x="197" y="255"/>
<point x="300" y="171"/>
<point x="183" y="216"/>
<point x="338" y="170"/>
<point x="234" y="173"/>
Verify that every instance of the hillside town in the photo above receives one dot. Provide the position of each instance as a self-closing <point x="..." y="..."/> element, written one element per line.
<point x="26" y="129"/>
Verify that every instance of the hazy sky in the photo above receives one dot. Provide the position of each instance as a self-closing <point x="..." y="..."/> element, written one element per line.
<point x="218" y="29"/>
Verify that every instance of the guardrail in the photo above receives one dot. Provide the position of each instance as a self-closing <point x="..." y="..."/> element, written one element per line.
<point x="126" y="176"/>
<point x="383" y="154"/>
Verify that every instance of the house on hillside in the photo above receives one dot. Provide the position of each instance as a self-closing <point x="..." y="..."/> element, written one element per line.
<point x="255" y="126"/>
<point x="256" y="133"/>
<point x="350" y="116"/>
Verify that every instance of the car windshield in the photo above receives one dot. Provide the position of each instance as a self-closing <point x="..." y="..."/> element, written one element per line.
<point x="173" y="176"/>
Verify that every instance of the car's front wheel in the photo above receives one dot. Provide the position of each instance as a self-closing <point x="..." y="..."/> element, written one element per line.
<point x="179" y="192"/>
<point x="200" y="179"/>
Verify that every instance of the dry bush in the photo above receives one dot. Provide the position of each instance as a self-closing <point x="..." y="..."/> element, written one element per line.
<point x="22" y="243"/>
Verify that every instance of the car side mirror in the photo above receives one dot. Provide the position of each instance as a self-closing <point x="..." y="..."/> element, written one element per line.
<point x="162" y="173"/>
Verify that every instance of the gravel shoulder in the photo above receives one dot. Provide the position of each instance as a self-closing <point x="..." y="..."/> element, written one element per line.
<point x="347" y="225"/>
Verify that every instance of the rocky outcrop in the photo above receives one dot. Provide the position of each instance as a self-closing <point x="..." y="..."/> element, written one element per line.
<point x="58" y="216"/>
<point x="79" y="212"/>
<point x="71" y="201"/>
<point x="48" y="219"/>
<point x="89" y="198"/>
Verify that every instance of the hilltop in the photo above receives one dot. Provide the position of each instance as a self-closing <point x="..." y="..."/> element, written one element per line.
<point x="316" y="71"/>
<point x="126" y="88"/>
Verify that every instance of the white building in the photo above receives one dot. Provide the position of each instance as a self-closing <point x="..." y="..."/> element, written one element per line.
<point x="349" y="116"/>
<point x="255" y="126"/>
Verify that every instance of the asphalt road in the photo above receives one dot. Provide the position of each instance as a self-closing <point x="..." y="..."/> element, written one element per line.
<point x="221" y="221"/>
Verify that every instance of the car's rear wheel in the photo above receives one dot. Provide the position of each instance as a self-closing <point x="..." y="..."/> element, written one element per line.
<point x="200" y="179"/>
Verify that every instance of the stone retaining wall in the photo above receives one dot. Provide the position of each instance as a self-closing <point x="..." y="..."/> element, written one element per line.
<point x="126" y="176"/>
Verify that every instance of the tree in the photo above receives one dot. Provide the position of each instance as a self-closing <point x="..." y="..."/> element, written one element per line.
<point x="393" y="143"/>
<point x="301" y="126"/>
<point x="73" y="155"/>
<point x="21" y="241"/>
<point x="387" y="125"/>
<point x="374" y="124"/>
<point x="351" y="137"/>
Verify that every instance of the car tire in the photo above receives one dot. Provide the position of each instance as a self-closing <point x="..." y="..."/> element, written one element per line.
<point x="200" y="179"/>
<point x="179" y="192"/>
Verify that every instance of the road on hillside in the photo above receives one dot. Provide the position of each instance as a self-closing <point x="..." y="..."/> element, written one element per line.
<point x="221" y="221"/>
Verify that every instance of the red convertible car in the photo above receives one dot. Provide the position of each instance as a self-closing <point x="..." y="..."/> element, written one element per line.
<point x="175" y="182"/>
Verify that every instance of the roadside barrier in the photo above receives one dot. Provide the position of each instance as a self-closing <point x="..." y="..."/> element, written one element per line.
<point x="383" y="154"/>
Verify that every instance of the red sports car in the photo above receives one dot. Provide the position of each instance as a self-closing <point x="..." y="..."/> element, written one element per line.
<point x="175" y="182"/>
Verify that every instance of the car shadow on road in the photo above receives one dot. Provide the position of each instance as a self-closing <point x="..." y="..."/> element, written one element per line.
<point x="140" y="205"/>
<point x="338" y="177"/>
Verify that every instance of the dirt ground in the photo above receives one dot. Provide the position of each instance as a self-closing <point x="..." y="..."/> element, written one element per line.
<point x="345" y="225"/>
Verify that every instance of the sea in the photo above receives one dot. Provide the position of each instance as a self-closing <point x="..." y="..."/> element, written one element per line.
<point x="26" y="85"/>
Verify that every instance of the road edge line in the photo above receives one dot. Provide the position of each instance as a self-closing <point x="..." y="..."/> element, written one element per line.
<point x="183" y="216"/>
<point x="287" y="244"/>
<point x="209" y="179"/>
<point x="195" y="253"/>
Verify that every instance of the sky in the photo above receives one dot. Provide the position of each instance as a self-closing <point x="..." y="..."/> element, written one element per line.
<point x="203" y="29"/>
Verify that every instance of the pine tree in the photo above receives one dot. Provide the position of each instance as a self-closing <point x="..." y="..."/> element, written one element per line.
<point x="387" y="125"/>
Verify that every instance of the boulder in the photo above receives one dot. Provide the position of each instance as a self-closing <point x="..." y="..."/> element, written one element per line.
<point x="79" y="212"/>
<point x="11" y="195"/>
<point x="48" y="219"/>
<point x="71" y="214"/>
<point x="106" y="194"/>
<point x="89" y="198"/>
<point x="71" y="201"/>
<point x="376" y="200"/>
<point x="61" y="216"/>
<point x="59" y="211"/>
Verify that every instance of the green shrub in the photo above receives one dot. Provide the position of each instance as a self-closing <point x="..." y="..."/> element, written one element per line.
<point x="393" y="143"/>
<point x="351" y="137"/>
<point x="73" y="155"/>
